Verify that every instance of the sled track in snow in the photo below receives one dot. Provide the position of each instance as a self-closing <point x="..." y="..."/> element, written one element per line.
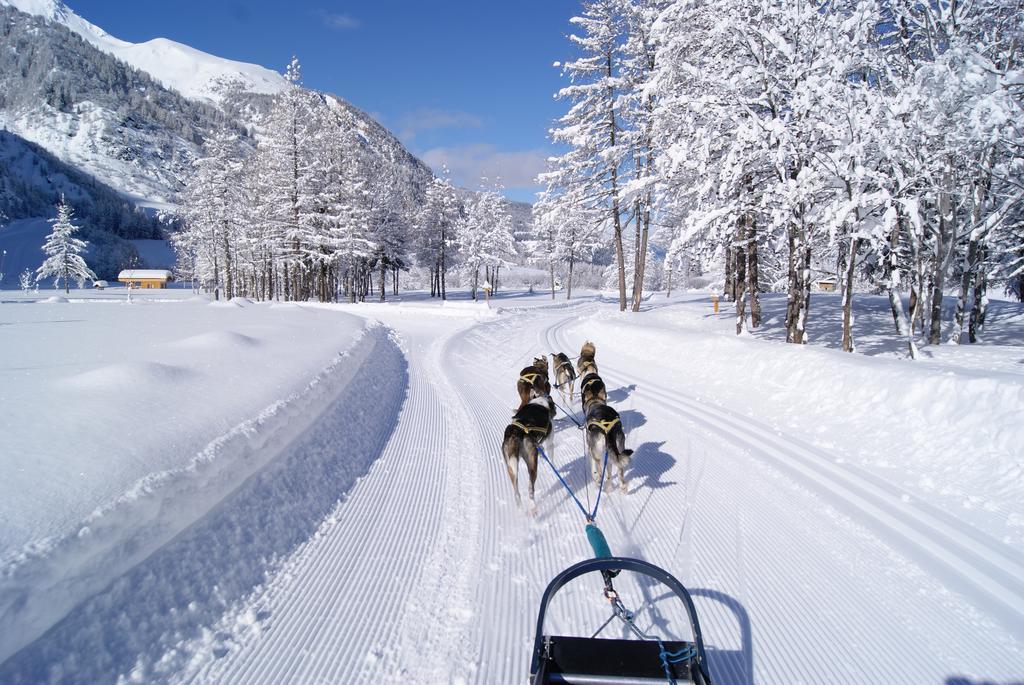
<point x="986" y="571"/>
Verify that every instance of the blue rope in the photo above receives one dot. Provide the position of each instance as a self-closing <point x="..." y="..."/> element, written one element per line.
<point x="568" y="413"/>
<point x="685" y="654"/>
<point x="604" y="466"/>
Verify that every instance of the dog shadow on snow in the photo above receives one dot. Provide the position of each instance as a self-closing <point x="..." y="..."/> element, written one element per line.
<point x="621" y="394"/>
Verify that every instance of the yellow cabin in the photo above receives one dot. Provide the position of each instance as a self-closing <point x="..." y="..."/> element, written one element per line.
<point x="145" y="278"/>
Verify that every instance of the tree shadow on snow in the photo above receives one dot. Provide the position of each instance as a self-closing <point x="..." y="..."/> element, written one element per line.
<point x="961" y="680"/>
<point x="188" y="584"/>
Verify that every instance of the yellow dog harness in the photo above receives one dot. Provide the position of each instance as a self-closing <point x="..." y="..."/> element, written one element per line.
<point x="527" y="429"/>
<point x="530" y="377"/>
<point x="605" y="426"/>
<point x="589" y="383"/>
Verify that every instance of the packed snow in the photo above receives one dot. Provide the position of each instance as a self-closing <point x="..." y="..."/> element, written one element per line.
<point x="257" y="492"/>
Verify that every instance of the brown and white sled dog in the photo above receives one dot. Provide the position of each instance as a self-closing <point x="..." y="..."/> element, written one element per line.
<point x="530" y="427"/>
<point x="586" y="364"/>
<point x="565" y="374"/>
<point x="533" y="381"/>
<point x="605" y="432"/>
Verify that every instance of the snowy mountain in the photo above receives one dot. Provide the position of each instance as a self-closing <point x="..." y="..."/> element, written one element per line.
<point x="193" y="73"/>
<point x="135" y="117"/>
<point x="97" y="113"/>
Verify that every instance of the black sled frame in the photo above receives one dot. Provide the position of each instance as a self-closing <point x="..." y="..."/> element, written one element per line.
<point x="599" y="661"/>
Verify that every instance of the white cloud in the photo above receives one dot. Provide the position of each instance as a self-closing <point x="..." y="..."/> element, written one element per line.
<point x="420" y="120"/>
<point x="468" y="163"/>
<point x="342" y="22"/>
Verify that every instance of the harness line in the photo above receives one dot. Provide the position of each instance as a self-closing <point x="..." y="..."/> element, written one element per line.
<point x="590" y="516"/>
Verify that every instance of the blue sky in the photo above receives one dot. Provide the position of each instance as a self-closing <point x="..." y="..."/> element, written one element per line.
<point x="465" y="82"/>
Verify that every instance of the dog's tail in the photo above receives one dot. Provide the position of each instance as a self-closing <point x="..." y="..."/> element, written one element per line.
<point x="622" y="455"/>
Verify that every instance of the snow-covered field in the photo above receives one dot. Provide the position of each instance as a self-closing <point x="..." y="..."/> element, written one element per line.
<point x="242" y="492"/>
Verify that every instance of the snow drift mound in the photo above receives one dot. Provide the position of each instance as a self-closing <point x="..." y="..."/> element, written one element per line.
<point x="216" y="340"/>
<point x="129" y="376"/>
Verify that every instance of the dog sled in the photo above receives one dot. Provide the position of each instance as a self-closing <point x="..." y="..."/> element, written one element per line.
<point x="601" y="661"/>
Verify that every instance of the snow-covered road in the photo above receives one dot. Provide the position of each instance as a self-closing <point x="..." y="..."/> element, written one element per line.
<point x="804" y="568"/>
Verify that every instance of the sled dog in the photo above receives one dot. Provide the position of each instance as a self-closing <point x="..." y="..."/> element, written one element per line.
<point x="605" y="432"/>
<point x="592" y="388"/>
<point x="530" y="427"/>
<point x="565" y="374"/>
<point x="586" y="364"/>
<point x="533" y="381"/>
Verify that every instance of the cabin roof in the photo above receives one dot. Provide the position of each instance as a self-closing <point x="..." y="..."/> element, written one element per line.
<point x="144" y="274"/>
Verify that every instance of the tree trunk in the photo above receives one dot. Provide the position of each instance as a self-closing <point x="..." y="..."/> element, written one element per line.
<point x="572" y="265"/>
<point x="850" y="268"/>
<point x="966" y="285"/>
<point x="636" y="251"/>
<point x="729" y="290"/>
<point x="616" y="219"/>
<point x="740" y="260"/>
<point x="552" y="264"/>
<point x="641" y="265"/>
<point x="791" y="295"/>
<point x="752" y="272"/>
<point x="889" y="276"/>
<point x="944" y="246"/>
<point x="977" y="322"/>
<point x="228" y="277"/>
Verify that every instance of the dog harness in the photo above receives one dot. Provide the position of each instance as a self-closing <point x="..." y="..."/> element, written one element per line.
<point x="589" y="383"/>
<point x="527" y="429"/>
<point x="530" y="377"/>
<point x="605" y="425"/>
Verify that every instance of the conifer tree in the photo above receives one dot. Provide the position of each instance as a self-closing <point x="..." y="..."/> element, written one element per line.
<point x="64" y="251"/>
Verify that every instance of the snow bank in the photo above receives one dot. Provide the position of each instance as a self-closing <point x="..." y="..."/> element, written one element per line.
<point x="268" y="480"/>
<point x="97" y="394"/>
<point x="42" y="581"/>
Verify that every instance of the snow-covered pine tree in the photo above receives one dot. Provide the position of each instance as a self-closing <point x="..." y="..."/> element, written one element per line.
<point x="210" y="208"/>
<point x="64" y="260"/>
<point x="639" y="60"/>
<point x="26" y="280"/>
<point x="291" y="192"/>
<point x="436" y="223"/>
<point x="590" y="172"/>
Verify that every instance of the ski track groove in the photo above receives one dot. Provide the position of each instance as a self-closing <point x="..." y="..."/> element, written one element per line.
<point x="974" y="559"/>
<point x="660" y="399"/>
<point x="323" y="614"/>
